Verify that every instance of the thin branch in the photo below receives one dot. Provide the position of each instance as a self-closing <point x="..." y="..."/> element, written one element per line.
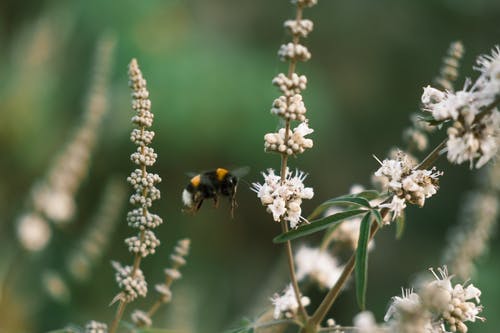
<point x="330" y="298"/>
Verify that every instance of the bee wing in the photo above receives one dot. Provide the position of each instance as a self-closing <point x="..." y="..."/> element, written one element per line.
<point x="191" y="174"/>
<point x="240" y="172"/>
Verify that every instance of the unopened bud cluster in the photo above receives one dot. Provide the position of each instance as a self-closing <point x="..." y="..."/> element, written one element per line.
<point x="181" y="250"/>
<point x="130" y="279"/>
<point x="300" y="28"/>
<point x="473" y="112"/>
<point x="296" y="142"/>
<point x="449" y="70"/>
<point x="290" y="106"/>
<point x="409" y="185"/>
<point x="142" y="181"/>
<point x="282" y="194"/>
<point x="131" y="286"/>
<point x="286" y="305"/>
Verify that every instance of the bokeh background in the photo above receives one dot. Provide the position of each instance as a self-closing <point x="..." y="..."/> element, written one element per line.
<point x="209" y="66"/>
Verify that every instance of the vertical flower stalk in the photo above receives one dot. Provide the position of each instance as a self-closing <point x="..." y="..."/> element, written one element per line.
<point x="53" y="198"/>
<point x="181" y="250"/>
<point x="478" y="218"/>
<point x="96" y="238"/>
<point x="282" y="195"/>
<point x="130" y="278"/>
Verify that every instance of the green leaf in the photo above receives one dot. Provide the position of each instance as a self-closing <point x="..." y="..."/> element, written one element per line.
<point x="428" y="118"/>
<point x="156" y="330"/>
<point x="400" y="225"/>
<point x="368" y="194"/>
<point x="361" y="268"/>
<point x="378" y="217"/>
<point x="348" y="200"/>
<point x="317" y="225"/>
<point x="68" y="329"/>
<point x="246" y="327"/>
<point x="339" y="201"/>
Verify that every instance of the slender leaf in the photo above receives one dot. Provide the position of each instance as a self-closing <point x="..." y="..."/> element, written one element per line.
<point x="428" y="118"/>
<point x="339" y="201"/>
<point x="156" y="330"/>
<point x="348" y="200"/>
<point x="361" y="268"/>
<point x="368" y="194"/>
<point x="378" y="217"/>
<point x="400" y="225"/>
<point x="317" y="225"/>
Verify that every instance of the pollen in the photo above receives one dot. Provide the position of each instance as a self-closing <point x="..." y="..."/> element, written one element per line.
<point x="221" y="173"/>
<point x="196" y="180"/>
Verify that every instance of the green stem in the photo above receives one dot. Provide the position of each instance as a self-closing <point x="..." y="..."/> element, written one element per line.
<point x="330" y="298"/>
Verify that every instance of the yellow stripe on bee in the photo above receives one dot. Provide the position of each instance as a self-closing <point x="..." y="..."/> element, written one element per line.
<point x="221" y="173"/>
<point x="196" y="180"/>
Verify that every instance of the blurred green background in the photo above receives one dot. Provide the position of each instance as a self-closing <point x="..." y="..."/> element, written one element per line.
<point x="209" y="66"/>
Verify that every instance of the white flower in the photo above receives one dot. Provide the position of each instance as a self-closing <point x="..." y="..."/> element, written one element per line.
<point x="432" y="95"/>
<point x="297" y="142"/>
<point x="96" y="327"/>
<point x="33" y="232"/>
<point x="396" y="206"/>
<point x="408" y="184"/>
<point x="407" y="314"/>
<point x="286" y="303"/>
<point x="283" y="200"/>
<point x="479" y="141"/>
<point x="393" y="170"/>
<point x="488" y="84"/>
<point x="365" y="323"/>
<point x="318" y="265"/>
<point x="452" y="303"/>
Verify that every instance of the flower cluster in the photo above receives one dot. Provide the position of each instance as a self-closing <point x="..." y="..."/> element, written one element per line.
<point x="292" y="143"/>
<point x="96" y="327"/>
<point x="142" y="181"/>
<point x="292" y="51"/>
<point x="300" y="28"/>
<point x="282" y="194"/>
<point x="290" y="106"/>
<point x="434" y="308"/>
<point x="97" y="236"/>
<point x="318" y="265"/>
<point x="52" y="198"/>
<point x="130" y="279"/>
<point x="181" y="250"/>
<point x="132" y="286"/>
<point x="452" y="303"/>
<point x="283" y="199"/>
<point x="409" y="185"/>
<point x="473" y="111"/>
<point x="286" y="304"/>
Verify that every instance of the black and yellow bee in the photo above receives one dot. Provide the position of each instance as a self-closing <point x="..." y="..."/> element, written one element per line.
<point x="211" y="185"/>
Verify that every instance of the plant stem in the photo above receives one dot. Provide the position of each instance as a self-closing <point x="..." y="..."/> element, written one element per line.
<point x="283" y="173"/>
<point x="430" y="159"/>
<point x="293" y="277"/>
<point x="118" y="316"/>
<point x="330" y="298"/>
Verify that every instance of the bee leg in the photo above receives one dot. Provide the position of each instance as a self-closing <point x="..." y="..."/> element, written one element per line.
<point x="216" y="201"/>
<point x="234" y="204"/>
<point x="197" y="206"/>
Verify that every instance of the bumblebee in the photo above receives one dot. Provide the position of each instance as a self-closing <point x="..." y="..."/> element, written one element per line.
<point x="211" y="185"/>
